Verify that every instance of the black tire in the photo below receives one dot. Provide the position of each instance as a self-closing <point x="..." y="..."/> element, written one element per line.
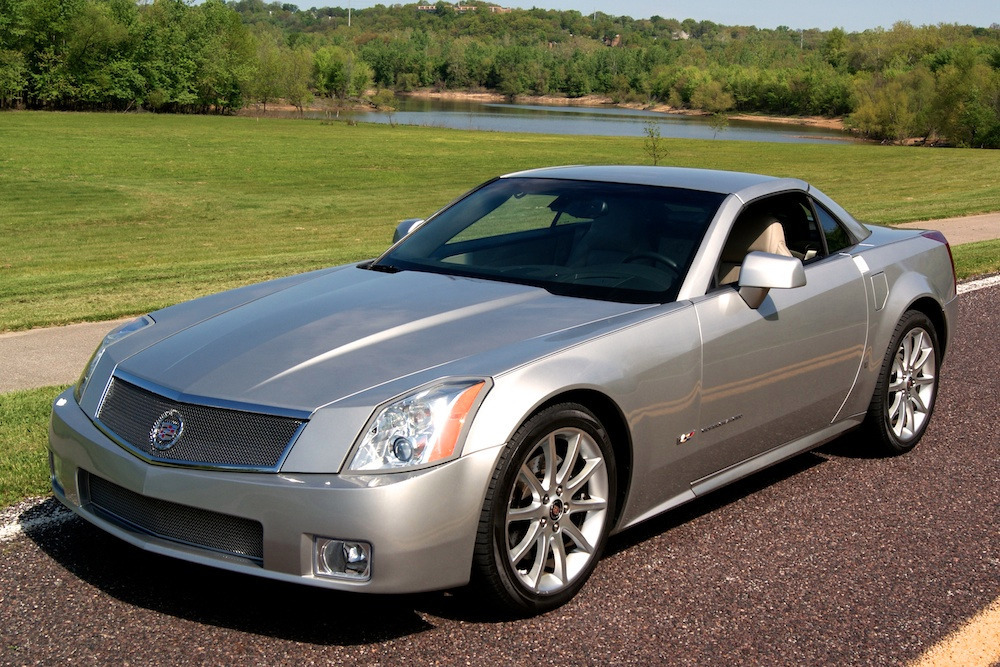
<point x="541" y="537"/>
<point x="907" y="385"/>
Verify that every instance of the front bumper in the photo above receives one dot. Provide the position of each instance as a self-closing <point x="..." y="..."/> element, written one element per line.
<point x="421" y="525"/>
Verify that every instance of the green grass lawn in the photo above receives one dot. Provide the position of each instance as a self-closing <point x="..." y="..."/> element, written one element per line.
<point x="103" y="215"/>
<point x="24" y="419"/>
<point x="976" y="259"/>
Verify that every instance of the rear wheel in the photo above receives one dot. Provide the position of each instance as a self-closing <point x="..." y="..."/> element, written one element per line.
<point x="907" y="387"/>
<point x="547" y="512"/>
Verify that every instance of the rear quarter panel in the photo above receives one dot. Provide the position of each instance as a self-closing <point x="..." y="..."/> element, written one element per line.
<point x="903" y="270"/>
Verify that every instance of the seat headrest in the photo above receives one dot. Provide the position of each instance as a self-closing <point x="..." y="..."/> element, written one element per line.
<point x="761" y="232"/>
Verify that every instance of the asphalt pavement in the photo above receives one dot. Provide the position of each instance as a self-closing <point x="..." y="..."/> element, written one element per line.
<point x="56" y="355"/>
<point x="835" y="557"/>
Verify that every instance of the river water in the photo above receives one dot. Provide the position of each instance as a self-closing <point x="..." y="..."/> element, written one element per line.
<point x="599" y="121"/>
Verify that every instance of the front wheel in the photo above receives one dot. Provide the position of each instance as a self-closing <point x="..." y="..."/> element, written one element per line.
<point x="547" y="512"/>
<point x="907" y="386"/>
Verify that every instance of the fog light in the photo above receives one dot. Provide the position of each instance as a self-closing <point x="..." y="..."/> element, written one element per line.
<point x="343" y="559"/>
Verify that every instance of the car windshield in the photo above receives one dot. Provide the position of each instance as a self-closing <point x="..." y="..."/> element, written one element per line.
<point x="619" y="242"/>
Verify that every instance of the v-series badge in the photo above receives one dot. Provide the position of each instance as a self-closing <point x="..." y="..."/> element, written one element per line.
<point x="685" y="437"/>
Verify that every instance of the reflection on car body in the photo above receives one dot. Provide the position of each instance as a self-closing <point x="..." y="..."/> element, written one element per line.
<point x="558" y="355"/>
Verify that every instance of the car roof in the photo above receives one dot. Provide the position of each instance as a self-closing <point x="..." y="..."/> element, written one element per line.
<point x="707" y="180"/>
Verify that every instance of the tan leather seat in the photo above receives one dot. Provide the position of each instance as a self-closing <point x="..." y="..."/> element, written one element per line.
<point x="608" y="241"/>
<point x="761" y="232"/>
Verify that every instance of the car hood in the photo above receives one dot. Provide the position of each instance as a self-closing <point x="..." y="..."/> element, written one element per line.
<point x="348" y="331"/>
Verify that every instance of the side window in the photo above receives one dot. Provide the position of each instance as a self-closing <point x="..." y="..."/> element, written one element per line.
<point x="837" y="237"/>
<point x="782" y="225"/>
<point x="802" y="232"/>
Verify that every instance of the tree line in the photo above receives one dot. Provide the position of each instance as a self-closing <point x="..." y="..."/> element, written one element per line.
<point x="940" y="82"/>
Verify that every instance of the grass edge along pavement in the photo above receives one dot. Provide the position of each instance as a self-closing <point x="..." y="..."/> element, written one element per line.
<point x="116" y="214"/>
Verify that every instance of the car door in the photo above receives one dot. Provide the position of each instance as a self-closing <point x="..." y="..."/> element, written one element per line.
<point x="781" y="371"/>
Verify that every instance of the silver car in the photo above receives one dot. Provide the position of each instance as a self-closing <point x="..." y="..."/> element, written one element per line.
<point x="556" y="356"/>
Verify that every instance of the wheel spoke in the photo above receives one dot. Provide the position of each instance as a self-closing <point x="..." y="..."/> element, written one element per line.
<point x="541" y="557"/>
<point x="518" y="551"/>
<point x="537" y="490"/>
<point x="551" y="455"/>
<point x="590" y="467"/>
<point x="588" y="505"/>
<point x="559" y="559"/>
<point x="906" y="353"/>
<point x="569" y="462"/>
<point x="922" y="353"/>
<point x="535" y="510"/>
<point x="908" y="420"/>
<point x="574" y="534"/>
<point x="895" y="414"/>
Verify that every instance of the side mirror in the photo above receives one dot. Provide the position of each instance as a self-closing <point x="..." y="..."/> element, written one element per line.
<point x="406" y="227"/>
<point x="761" y="272"/>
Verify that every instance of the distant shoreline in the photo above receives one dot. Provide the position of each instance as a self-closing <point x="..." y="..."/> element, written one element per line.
<point x="603" y="101"/>
<point x="329" y="106"/>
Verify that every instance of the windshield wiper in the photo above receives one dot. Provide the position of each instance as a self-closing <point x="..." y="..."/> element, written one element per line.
<point x="384" y="268"/>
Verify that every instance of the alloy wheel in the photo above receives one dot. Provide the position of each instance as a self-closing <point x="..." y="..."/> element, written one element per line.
<point x="557" y="511"/>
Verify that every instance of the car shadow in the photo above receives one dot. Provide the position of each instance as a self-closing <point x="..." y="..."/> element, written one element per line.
<point x="319" y="616"/>
<point x="712" y="502"/>
<point x="854" y="445"/>
<point x="218" y="597"/>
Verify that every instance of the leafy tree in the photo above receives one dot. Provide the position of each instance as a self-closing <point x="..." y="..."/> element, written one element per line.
<point x="385" y="101"/>
<point x="298" y="77"/>
<point x="835" y="48"/>
<point x="966" y="108"/>
<point x="711" y="97"/>
<point x="270" y="79"/>
<point x="331" y="71"/>
<point x="892" y="109"/>
<point x="653" y="143"/>
<point x="13" y="77"/>
<point x="13" y="64"/>
<point x="719" y="123"/>
<point x="226" y="57"/>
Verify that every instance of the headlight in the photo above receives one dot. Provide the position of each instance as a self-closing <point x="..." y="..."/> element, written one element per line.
<point x="420" y="429"/>
<point x="114" y="336"/>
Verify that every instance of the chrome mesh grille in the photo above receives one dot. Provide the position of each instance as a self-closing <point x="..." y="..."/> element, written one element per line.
<point x="211" y="436"/>
<point x="179" y="523"/>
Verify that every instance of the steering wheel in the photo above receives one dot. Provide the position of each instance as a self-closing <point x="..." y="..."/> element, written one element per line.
<point x="656" y="257"/>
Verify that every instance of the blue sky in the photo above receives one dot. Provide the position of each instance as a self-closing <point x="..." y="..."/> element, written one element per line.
<point x="852" y="15"/>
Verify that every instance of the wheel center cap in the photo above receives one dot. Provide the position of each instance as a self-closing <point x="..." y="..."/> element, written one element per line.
<point x="555" y="510"/>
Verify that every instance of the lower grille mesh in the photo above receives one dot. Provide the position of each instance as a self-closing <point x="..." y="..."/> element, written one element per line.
<point x="179" y="523"/>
